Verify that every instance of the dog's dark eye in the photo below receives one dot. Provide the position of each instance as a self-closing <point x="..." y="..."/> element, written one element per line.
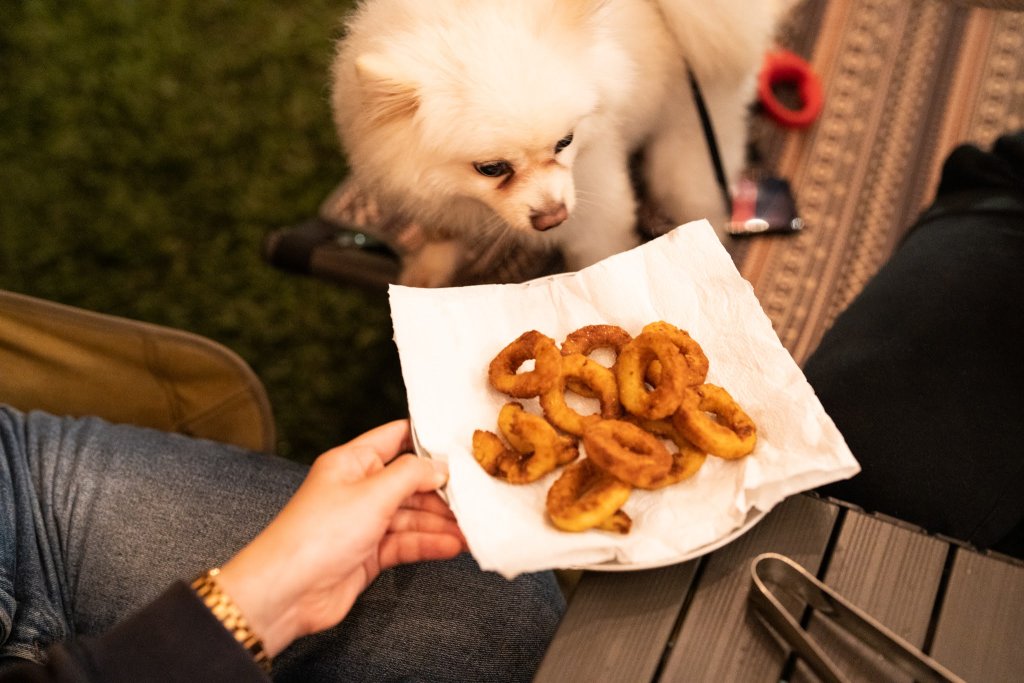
<point x="563" y="143"/>
<point x="493" y="169"/>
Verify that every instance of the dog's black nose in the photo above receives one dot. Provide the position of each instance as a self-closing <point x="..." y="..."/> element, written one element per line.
<point x="549" y="218"/>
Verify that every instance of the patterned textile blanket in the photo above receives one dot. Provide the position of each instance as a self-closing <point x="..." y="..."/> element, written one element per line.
<point x="905" y="83"/>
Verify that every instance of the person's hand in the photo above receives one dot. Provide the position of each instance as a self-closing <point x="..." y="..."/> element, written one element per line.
<point x="363" y="508"/>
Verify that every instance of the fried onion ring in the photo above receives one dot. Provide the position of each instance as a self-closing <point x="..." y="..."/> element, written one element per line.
<point x="687" y="458"/>
<point x="528" y="433"/>
<point x="588" y="339"/>
<point x="598" y="378"/>
<point x="627" y="452"/>
<point x="585" y="497"/>
<point x="488" y="450"/>
<point x="653" y="395"/>
<point x="730" y="434"/>
<point x="693" y="355"/>
<point x="502" y="372"/>
<point x="631" y="368"/>
<point x="537" y="448"/>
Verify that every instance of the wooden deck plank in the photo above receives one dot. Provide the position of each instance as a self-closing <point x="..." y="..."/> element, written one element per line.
<point x="617" y="625"/>
<point x="978" y="634"/>
<point x="893" y="573"/>
<point x="721" y="639"/>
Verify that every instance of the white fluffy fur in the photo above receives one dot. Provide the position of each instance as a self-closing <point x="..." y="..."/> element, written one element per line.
<point x="422" y="89"/>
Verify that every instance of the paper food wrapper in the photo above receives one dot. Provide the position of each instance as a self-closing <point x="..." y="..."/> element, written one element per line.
<point x="447" y="337"/>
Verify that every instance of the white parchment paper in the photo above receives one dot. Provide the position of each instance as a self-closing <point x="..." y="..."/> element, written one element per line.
<point x="447" y="337"/>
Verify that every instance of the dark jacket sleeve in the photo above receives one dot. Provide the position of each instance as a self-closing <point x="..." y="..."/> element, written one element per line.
<point x="174" y="638"/>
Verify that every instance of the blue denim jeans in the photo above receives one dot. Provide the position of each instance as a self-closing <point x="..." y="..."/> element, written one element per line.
<point x="97" y="519"/>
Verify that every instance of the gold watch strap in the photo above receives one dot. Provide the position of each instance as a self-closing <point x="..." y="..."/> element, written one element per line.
<point x="228" y="614"/>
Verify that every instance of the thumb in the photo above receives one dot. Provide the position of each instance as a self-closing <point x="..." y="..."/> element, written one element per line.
<point x="405" y="476"/>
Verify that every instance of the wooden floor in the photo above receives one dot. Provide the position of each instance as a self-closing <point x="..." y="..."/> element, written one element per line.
<point x="693" y="621"/>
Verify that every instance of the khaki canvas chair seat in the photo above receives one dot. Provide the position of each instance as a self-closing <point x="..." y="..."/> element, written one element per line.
<point x="69" y="361"/>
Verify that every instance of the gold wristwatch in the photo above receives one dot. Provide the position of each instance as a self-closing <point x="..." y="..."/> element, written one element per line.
<point x="228" y="614"/>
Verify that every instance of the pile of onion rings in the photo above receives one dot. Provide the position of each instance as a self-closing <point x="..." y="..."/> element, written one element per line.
<point x="653" y="394"/>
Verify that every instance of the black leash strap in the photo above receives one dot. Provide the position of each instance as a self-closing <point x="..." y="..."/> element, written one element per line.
<point x="709" y="135"/>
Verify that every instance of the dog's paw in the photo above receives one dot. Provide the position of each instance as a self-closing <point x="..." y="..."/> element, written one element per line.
<point x="434" y="265"/>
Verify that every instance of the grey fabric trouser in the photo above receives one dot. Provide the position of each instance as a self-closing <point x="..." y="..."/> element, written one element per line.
<point x="97" y="519"/>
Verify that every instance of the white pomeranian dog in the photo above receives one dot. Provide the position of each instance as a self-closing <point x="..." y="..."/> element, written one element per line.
<point x="485" y="119"/>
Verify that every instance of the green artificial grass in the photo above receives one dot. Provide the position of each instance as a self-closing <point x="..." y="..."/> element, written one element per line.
<point x="148" y="147"/>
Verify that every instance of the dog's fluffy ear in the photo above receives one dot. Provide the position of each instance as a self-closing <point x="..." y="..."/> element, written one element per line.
<point x="388" y="96"/>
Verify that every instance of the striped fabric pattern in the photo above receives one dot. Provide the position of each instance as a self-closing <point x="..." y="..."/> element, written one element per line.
<point x="905" y="82"/>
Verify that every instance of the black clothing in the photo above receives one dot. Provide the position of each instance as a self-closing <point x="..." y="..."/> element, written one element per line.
<point x="924" y="374"/>
<point x="173" y="639"/>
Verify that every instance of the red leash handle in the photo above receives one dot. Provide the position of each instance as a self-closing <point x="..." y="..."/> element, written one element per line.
<point x="783" y="66"/>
